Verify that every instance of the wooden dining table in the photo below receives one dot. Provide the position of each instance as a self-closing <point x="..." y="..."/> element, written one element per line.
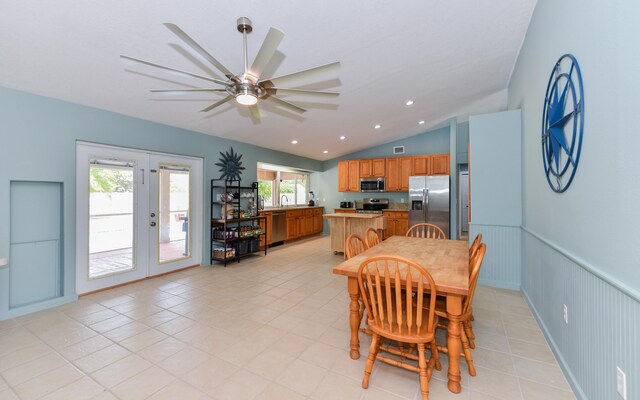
<point x="448" y="263"/>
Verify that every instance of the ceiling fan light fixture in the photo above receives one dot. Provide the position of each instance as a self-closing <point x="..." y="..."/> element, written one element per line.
<point x="246" y="99"/>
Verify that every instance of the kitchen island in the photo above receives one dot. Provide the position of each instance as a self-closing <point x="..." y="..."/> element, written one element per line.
<point x="342" y="225"/>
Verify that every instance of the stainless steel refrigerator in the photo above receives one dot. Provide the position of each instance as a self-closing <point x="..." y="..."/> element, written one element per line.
<point x="429" y="201"/>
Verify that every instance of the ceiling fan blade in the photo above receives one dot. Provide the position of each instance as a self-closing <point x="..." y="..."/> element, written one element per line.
<point x="192" y="43"/>
<point x="255" y="113"/>
<point x="284" y="79"/>
<point x="266" y="52"/>
<point x="217" y="103"/>
<point x="218" y="81"/>
<point x="286" y="104"/>
<point x="275" y="90"/>
<point x="186" y="90"/>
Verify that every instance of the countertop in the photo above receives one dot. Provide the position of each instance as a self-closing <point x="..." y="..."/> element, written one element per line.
<point x="292" y="208"/>
<point x="350" y="215"/>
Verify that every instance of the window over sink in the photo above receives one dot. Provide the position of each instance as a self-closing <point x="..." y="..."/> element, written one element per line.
<point x="283" y="186"/>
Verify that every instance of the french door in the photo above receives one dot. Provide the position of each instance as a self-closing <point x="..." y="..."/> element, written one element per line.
<point x="138" y="214"/>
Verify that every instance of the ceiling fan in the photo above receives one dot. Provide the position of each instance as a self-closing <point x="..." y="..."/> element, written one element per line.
<point x="246" y="88"/>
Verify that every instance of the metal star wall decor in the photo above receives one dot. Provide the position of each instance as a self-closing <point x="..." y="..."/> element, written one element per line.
<point x="562" y="123"/>
<point x="230" y="165"/>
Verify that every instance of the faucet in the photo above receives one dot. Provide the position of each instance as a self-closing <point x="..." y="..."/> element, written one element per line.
<point x="285" y="196"/>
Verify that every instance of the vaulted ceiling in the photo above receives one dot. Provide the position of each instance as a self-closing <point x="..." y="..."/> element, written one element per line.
<point x="452" y="58"/>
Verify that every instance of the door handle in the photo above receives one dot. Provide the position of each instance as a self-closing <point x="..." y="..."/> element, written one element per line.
<point x="152" y="223"/>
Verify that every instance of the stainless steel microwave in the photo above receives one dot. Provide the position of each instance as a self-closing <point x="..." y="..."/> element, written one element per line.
<point x="371" y="185"/>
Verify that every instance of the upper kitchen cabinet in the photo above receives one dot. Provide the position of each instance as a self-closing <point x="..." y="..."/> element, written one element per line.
<point x="354" y="176"/>
<point x="395" y="170"/>
<point x="397" y="174"/>
<point x="440" y="164"/>
<point x="349" y="176"/>
<point x="343" y="176"/>
<point x="404" y="173"/>
<point x="420" y="165"/>
<point x="374" y="168"/>
<point x="434" y="164"/>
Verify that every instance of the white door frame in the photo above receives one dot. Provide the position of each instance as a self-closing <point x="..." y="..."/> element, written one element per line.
<point x="143" y="233"/>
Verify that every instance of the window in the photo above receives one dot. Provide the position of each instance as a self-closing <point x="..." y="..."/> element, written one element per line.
<point x="293" y="187"/>
<point x="281" y="186"/>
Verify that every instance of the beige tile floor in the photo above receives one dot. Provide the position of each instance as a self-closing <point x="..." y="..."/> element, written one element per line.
<point x="267" y="328"/>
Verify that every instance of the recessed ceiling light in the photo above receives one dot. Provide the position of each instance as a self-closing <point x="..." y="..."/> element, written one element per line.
<point x="409" y="102"/>
<point x="421" y="122"/>
<point x="326" y="151"/>
<point x="377" y="126"/>
<point x="294" y="142"/>
<point x="343" y="137"/>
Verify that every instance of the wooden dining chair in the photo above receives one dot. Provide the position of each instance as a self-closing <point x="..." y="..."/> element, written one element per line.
<point x="426" y="231"/>
<point x="371" y="237"/>
<point x="389" y="285"/>
<point x="472" y="251"/>
<point x="474" y="246"/>
<point x="466" y="332"/>
<point x="354" y="245"/>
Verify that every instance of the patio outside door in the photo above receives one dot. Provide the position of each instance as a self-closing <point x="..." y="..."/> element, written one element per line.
<point x="138" y="214"/>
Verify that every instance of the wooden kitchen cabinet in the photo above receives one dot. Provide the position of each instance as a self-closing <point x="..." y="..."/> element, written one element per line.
<point x="354" y="176"/>
<point x="420" y="165"/>
<point x="317" y="220"/>
<point x="439" y="164"/>
<point x="349" y="176"/>
<point x="392" y="176"/>
<point x="405" y="172"/>
<point x="307" y="222"/>
<point x="432" y="164"/>
<point x="343" y="210"/>
<point x="398" y="171"/>
<point x="343" y="176"/>
<point x="292" y="228"/>
<point x="374" y="168"/>
<point x="304" y="222"/>
<point x="397" y="223"/>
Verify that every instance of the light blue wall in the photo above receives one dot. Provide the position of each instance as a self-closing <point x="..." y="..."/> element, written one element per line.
<point x="580" y="248"/>
<point x="38" y="144"/>
<point x="496" y="204"/>
<point x="495" y="169"/>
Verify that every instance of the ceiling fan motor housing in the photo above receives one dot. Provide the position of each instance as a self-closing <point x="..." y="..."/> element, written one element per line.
<point x="244" y="25"/>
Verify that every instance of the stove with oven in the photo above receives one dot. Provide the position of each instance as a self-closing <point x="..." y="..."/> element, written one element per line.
<point x="373" y="206"/>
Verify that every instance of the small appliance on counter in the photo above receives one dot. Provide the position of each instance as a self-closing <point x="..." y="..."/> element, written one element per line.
<point x="346" y="204"/>
<point x="372" y="185"/>
<point x="312" y="202"/>
<point x="373" y="206"/>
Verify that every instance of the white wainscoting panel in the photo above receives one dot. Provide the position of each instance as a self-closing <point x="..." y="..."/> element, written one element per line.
<point x="603" y="330"/>
<point x="502" y="262"/>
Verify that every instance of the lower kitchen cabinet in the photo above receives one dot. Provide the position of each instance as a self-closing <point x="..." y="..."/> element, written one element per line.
<point x="397" y="223"/>
<point x="292" y="227"/>
<point x="304" y="222"/>
<point x="317" y="222"/>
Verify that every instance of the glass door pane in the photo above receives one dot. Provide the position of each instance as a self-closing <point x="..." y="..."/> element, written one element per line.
<point x="174" y="211"/>
<point x="112" y="242"/>
<point x="111" y="218"/>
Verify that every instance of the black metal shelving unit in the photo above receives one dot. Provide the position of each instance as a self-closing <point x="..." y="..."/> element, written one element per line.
<point x="233" y="245"/>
